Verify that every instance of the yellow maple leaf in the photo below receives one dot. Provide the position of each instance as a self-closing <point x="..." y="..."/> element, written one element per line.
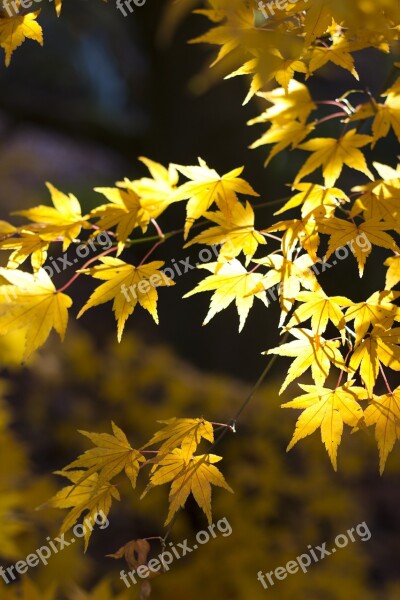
<point x="344" y="233"/>
<point x="231" y="282"/>
<point x="269" y="62"/>
<point x="250" y="40"/>
<point x="318" y="19"/>
<point x="309" y="350"/>
<point x="316" y="200"/>
<point x="321" y="309"/>
<point x="283" y="135"/>
<point x="186" y="433"/>
<point x="289" y="276"/>
<point x="284" y="71"/>
<point x="384" y="413"/>
<point x="207" y="187"/>
<point x="331" y="154"/>
<point x="266" y="65"/>
<point x="269" y="65"/>
<point x="380" y="346"/>
<point x="329" y="410"/>
<point x="387" y="115"/>
<point x="112" y="454"/>
<point x="236" y="17"/>
<point x="126" y="285"/>
<point x="14" y="31"/>
<point x="377" y="309"/>
<point x="379" y="199"/>
<point x="195" y="476"/>
<point x="124" y="211"/>
<point x="83" y="496"/>
<point x="155" y="193"/>
<point x="28" y="244"/>
<point x="64" y="219"/>
<point x="339" y="53"/>
<point x="303" y="232"/>
<point x="35" y="306"/>
<point x="288" y="105"/>
<point x="236" y="235"/>
<point x="393" y="272"/>
<point x="134" y="203"/>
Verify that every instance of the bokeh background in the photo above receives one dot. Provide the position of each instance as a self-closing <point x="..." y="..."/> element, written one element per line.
<point x="104" y="90"/>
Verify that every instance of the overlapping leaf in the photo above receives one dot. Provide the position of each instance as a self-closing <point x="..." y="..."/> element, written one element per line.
<point x="126" y="285"/>
<point x="206" y="187"/>
<point x="380" y="346"/>
<point x="83" y="497"/>
<point x="360" y="238"/>
<point x="134" y="203"/>
<point x="290" y="276"/>
<point x="377" y="309"/>
<point x="321" y="309"/>
<point x="27" y="244"/>
<point x="298" y="232"/>
<point x="393" y="272"/>
<point x="231" y="282"/>
<point x="31" y="302"/>
<point x="384" y="413"/>
<point x="63" y="219"/>
<point x="183" y="433"/>
<point x="123" y="212"/>
<point x="309" y="350"/>
<point x="235" y="235"/>
<point x="315" y="200"/>
<point x="329" y="410"/>
<point x="331" y="154"/>
<point x="112" y="454"/>
<point x="195" y="477"/>
<point x="379" y="199"/>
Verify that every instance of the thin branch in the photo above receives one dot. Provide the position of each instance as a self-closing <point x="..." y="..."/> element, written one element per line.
<point x="150" y="252"/>
<point x="385" y="379"/>
<point x="342" y="370"/>
<point x="221" y="425"/>
<point x="271" y="203"/>
<point x="330" y="117"/>
<point x="273" y="237"/>
<point x="87" y="263"/>
<point x="158" y="229"/>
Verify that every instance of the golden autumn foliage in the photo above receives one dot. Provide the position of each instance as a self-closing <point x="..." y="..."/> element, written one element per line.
<point x="356" y="343"/>
<point x="31" y="303"/>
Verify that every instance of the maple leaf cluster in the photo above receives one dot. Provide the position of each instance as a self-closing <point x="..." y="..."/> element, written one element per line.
<point x="301" y="39"/>
<point x="359" y="342"/>
<point x="32" y="303"/>
<point x="92" y="488"/>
